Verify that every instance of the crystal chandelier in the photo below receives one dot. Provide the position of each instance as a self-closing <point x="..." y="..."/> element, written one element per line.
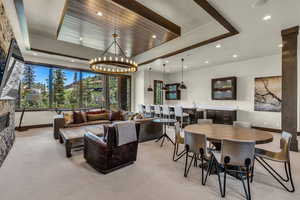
<point x="115" y="64"/>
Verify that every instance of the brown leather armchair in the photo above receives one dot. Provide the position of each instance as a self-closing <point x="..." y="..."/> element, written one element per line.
<point x="104" y="155"/>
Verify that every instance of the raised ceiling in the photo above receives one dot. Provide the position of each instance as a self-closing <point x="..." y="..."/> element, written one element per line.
<point x="187" y="14"/>
<point x="81" y="25"/>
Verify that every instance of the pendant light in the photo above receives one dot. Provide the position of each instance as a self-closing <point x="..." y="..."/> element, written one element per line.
<point x="150" y="89"/>
<point x="182" y="85"/>
<point x="164" y="84"/>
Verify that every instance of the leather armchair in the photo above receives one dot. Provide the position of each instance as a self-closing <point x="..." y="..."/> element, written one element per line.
<point x="104" y="155"/>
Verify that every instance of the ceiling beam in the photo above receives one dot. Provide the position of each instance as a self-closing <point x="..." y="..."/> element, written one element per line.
<point x="204" y="4"/>
<point x="216" y="15"/>
<point x="143" y="11"/>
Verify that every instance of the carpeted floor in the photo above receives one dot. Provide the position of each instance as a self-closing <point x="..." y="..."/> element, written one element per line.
<point x="37" y="169"/>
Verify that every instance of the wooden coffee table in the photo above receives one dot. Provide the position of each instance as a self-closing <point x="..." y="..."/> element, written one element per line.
<point x="73" y="137"/>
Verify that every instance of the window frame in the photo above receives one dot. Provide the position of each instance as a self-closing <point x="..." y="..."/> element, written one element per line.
<point x="80" y="71"/>
<point x="156" y="82"/>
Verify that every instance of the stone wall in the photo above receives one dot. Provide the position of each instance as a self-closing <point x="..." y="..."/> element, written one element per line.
<point x="7" y="130"/>
<point x="6" y="33"/>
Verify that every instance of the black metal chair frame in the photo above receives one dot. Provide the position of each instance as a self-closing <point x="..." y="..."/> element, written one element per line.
<point x="276" y="175"/>
<point x="194" y="159"/>
<point x="176" y="155"/>
<point x="243" y="174"/>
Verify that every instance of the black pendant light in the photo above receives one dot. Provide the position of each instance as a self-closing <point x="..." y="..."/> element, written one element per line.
<point x="150" y="89"/>
<point x="164" y="84"/>
<point x="182" y="86"/>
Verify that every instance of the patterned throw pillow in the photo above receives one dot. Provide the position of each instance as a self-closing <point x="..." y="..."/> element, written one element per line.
<point x="139" y="116"/>
<point x="94" y="117"/>
<point x="68" y="116"/>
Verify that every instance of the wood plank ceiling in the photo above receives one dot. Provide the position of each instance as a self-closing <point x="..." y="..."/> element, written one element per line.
<point x="81" y="25"/>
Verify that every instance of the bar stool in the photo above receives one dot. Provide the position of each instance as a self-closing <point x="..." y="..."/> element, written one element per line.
<point x="157" y="110"/>
<point x="167" y="112"/>
<point x="242" y="124"/>
<point x="149" y="110"/>
<point x="181" y="115"/>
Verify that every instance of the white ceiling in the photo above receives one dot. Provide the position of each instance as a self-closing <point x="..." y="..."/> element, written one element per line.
<point x="187" y="14"/>
<point x="257" y="37"/>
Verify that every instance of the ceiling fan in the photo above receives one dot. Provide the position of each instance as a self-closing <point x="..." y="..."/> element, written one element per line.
<point x="259" y="3"/>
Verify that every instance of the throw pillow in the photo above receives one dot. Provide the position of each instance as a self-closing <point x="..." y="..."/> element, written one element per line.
<point x="94" y="117"/>
<point x="68" y="117"/>
<point x="83" y="113"/>
<point x="116" y="116"/>
<point x="139" y="116"/>
<point x="78" y="118"/>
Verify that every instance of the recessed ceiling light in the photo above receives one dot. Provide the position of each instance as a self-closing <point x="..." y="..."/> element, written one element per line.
<point x="234" y="56"/>
<point x="35" y="54"/>
<point x="267" y="17"/>
<point x="72" y="60"/>
<point x="153" y="36"/>
<point x="280" y="45"/>
<point x="218" y="46"/>
<point x="206" y="62"/>
<point x="99" y="13"/>
<point x="80" y="38"/>
<point x="167" y="61"/>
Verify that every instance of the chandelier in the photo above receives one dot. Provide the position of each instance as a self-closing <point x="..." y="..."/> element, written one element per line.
<point x="113" y="64"/>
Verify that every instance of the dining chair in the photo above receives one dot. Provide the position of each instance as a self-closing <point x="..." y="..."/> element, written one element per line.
<point x="141" y="108"/>
<point x="195" y="144"/>
<point x="236" y="157"/>
<point x="149" y="110"/>
<point x="179" y="140"/>
<point x="181" y="115"/>
<point x="261" y="155"/>
<point x="205" y="121"/>
<point x="157" y="111"/>
<point x="242" y="124"/>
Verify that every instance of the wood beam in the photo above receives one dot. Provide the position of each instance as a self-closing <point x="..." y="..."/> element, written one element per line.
<point x="149" y="14"/>
<point x="289" y="115"/>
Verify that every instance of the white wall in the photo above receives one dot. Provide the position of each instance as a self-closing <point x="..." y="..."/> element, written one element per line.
<point x="199" y="87"/>
<point x="142" y="79"/>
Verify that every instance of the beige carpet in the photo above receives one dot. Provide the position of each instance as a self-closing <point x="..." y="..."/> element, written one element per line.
<point x="37" y="169"/>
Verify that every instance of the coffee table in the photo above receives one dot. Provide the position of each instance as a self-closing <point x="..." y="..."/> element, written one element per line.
<point x="73" y="137"/>
<point x="164" y="135"/>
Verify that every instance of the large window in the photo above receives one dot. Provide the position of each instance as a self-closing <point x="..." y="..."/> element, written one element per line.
<point x="46" y="87"/>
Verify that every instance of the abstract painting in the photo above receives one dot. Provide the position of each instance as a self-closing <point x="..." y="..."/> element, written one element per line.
<point x="268" y="95"/>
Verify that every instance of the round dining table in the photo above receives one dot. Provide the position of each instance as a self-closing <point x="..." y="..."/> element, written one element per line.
<point x="218" y="132"/>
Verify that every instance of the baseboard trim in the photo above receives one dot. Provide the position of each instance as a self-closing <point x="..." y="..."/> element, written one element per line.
<point x="25" y="128"/>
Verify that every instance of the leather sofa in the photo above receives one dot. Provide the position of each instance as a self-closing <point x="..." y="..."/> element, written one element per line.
<point x="103" y="154"/>
<point x="148" y="129"/>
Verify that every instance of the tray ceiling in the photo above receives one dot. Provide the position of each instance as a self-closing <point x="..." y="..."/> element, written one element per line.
<point x="81" y="25"/>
